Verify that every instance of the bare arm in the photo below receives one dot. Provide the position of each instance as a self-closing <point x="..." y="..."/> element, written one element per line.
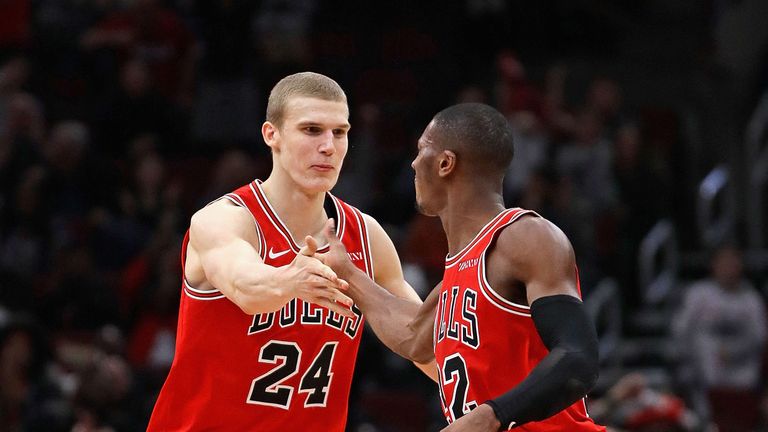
<point x="403" y="325"/>
<point x="223" y="254"/>
<point x="392" y="308"/>
<point x="547" y="269"/>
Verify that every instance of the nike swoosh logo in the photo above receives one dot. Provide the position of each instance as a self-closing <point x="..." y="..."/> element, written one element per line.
<point x="273" y="255"/>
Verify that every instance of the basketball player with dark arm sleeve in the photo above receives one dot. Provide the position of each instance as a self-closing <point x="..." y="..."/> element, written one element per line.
<point x="512" y="342"/>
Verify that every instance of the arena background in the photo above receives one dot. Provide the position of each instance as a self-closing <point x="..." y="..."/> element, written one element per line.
<point x="640" y="128"/>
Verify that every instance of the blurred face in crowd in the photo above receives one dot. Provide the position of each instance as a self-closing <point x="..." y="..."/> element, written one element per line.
<point x="135" y="78"/>
<point x="310" y="143"/>
<point x="605" y="96"/>
<point x="727" y="267"/>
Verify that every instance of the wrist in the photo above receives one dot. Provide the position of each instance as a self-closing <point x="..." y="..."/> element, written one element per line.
<point x="347" y="271"/>
<point x="495" y="412"/>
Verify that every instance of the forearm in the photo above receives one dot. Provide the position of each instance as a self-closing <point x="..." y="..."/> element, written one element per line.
<point x="565" y="375"/>
<point x="253" y="286"/>
<point x="392" y="318"/>
<point x="558" y="381"/>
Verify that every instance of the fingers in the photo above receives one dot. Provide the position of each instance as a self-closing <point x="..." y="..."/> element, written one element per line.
<point x="330" y="298"/>
<point x="318" y="290"/>
<point x="335" y="307"/>
<point x="317" y="287"/>
<point x="329" y="230"/>
<point x="325" y="272"/>
<point x="338" y="297"/>
<point x="312" y="263"/>
<point x="344" y="285"/>
<point x="310" y="246"/>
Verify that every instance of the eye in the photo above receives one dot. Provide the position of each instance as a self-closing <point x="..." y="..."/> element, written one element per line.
<point x="313" y="130"/>
<point x="339" y="132"/>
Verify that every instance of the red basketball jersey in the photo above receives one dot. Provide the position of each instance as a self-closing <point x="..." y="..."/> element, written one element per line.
<point x="285" y="370"/>
<point x="484" y="344"/>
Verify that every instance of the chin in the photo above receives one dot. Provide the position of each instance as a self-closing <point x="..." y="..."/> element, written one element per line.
<point x="319" y="185"/>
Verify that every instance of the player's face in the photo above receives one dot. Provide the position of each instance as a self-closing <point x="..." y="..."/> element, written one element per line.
<point x="311" y="143"/>
<point x="425" y="166"/>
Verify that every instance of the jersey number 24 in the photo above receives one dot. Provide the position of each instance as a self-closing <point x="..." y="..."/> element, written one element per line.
<point x="268" y="389"/>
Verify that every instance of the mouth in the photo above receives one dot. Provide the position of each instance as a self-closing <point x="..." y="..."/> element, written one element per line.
<point x="323" y="167"/>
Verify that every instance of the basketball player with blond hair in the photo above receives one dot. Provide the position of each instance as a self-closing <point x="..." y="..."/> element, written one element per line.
<point x="267" y="338"/>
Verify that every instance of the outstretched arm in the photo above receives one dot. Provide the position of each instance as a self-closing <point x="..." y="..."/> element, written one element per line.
<point x="391" y="307"/>
<point x="403" y="325"/>
<point x="223" y="254"/>
<point x="536" y="253"/>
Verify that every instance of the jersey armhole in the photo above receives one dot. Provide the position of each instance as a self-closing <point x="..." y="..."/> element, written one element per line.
<point x="485" y="286"/>
<point x="238" y="201"/>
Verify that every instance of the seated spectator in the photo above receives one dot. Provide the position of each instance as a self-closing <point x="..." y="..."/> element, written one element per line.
<point x="721" y="329"/>
<point x="632" y="404"/>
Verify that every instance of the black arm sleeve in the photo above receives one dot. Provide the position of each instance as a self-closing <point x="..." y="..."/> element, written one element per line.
<point x="565" y="375"/>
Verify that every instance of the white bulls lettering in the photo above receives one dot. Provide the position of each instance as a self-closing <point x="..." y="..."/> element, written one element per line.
<point x="307" y="314"/>
<point x="457" y="317"/>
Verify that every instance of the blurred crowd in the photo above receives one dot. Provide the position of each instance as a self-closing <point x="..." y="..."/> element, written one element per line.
<point x="118" y="119"/>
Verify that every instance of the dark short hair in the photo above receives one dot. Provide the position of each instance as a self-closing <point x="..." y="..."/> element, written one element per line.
<point x="477" y="133"/>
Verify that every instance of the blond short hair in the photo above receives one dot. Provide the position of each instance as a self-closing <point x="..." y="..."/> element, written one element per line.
<point x="302" y="84"/>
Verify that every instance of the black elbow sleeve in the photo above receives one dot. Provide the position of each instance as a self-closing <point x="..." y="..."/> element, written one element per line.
<point x="563" y="324"/>
<point x="565" y="375"/>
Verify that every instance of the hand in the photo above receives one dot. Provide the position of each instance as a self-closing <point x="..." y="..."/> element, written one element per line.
<point x="480" y="419"/>
<point x="336" y="258"/>
<point x="315" y="282"/>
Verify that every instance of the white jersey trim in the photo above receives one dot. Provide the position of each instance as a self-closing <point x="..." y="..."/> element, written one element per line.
<point x="277" y="223"/>
<point x="367" y="246"/>
<point x="485" y="286"/>
<point x="238" y="201"/>
<point x="341" y="223"/>
<point x="365" y="242"/>
<point x="495" y="299"/>
<point x="281" y="227"/>
<point x="190" y="291"/>
<point x="456" y="257"/>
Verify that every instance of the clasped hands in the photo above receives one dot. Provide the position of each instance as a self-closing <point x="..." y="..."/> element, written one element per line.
<point x="338" y="267"/>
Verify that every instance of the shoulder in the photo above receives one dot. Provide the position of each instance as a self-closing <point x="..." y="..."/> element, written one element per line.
<point x="372" y="224"/>
<point x="533" y="239"/>
<point x="221" y="219"/>
<point x="380" y="240"/>
<point x="383" y="252"/>
<point x="532" y="253"/>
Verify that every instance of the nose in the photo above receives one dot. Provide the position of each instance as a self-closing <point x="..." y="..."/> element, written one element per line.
<point x="326" y="144"/>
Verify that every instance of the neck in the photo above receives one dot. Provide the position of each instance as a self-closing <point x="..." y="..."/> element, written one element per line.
<point x="302" y="212"/>
<point x="465" y="214"/>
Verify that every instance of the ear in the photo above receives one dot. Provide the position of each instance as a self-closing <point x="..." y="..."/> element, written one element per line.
<point x="271" y="135"/>
<point x="446" y="163"/>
